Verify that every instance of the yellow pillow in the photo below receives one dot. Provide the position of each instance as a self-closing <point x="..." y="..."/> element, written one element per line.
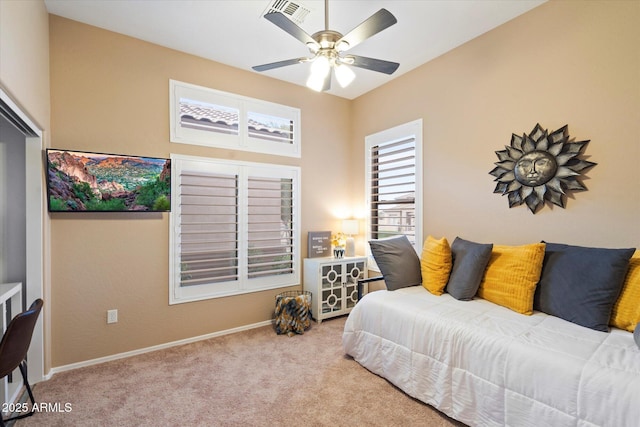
<point x="512" y="275"/>
<point x="626" y="310"/>
<point x="435" y="264"/>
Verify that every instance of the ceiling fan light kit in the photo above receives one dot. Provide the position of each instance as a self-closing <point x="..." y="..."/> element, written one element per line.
<point x="344" y="75"/>
<point x="327" y="47"/>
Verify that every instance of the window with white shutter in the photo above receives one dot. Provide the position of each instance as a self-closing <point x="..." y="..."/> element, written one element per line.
<point x="234" y="228"/>
<point x="394" y="183"/>
<point x="204" y="116"/>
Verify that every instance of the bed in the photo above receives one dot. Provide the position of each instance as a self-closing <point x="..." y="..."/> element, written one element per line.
<point x="486" y="365"/>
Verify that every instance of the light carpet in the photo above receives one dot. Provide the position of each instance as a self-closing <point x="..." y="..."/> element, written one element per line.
<point x="250" y="378"/>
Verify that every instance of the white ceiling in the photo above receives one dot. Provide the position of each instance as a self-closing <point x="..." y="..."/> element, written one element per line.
<point x="233" y="32"/>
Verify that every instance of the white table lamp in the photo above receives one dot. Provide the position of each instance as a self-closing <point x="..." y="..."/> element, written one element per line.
<point x="350" y="228"/>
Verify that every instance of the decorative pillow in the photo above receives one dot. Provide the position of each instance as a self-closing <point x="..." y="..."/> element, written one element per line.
<point x="636" y="335"/>
<point x="512" y="275"/>
<point x="581" y="284"/>
<point x="469" y="262"/>
<point x="398" y="262"/>
<point x="626" y="310"/>
<point x="435" y="264"/>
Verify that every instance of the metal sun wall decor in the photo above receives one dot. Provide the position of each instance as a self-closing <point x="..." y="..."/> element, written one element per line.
<point x="540" y="167"/>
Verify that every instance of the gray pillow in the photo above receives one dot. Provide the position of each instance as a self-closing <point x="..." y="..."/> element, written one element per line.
<point x="581" y="284"/>
<point x="470" y="259"/>
<point x="636" y="334"/>
<point x="398" y="262"/>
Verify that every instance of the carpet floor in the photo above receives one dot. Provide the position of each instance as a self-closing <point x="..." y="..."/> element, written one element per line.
<point x="250" y="378"/>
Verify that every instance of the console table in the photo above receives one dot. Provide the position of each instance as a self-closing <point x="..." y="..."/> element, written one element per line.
<point x="333" y="284"/>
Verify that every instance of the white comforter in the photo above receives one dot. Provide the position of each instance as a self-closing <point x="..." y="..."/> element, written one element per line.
<point x="486" y="365"/>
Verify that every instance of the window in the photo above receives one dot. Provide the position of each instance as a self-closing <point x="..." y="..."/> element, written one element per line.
<point x="203" y="116"/>
<point x="393" y="168"/>
<point x="234" y="228"/>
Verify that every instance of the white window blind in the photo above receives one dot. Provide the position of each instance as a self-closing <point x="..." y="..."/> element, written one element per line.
<point x="393" y="189"/>
<point x="393" y="168"/>
<point x="271" y="227"/>
<point x="235" y="228"/>
<point x="208" y="228"/>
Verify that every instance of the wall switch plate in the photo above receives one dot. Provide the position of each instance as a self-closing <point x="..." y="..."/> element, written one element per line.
<point x="112" y="316"/>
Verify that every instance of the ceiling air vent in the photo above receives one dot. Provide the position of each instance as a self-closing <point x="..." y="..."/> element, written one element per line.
<point x="295" y="11"/>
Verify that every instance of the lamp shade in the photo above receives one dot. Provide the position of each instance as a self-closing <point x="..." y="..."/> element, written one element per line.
<point x="344" y="75"/>
<point x="321" y="66"/>
<point x="350" y="227"/>
<point x="315" y="82"/>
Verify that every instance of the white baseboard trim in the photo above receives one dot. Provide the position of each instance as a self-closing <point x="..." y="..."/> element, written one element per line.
<point x="126" y="354"/>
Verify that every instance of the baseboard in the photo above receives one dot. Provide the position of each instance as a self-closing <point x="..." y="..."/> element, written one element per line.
<point x="99" y="360"/>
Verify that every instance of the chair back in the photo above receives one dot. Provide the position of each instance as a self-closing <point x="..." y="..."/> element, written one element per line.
<point x="17" y="338"/>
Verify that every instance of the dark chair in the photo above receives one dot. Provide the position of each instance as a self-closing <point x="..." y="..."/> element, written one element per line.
<point x="361" y="283"/>
<point x="14" y="346"/>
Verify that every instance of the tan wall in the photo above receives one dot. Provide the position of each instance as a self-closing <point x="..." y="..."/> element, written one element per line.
<point x="24" y="76"/>
<point x="572" y="63"/>
<point x="565" y="62"/>
<point x="24" y="57"/>
<point x="110" y="93"/>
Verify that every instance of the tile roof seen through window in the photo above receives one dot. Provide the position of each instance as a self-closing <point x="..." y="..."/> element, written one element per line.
<point x="225" y="120"/>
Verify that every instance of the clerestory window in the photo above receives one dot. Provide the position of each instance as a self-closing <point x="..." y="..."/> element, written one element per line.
<point x="203" y="116"/>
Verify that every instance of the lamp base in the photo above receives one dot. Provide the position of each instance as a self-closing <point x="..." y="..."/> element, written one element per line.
<point x="350" y="248"/>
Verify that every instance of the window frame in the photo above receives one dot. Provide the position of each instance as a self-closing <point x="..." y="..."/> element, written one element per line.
<point x="183" y="294"/>
<point x="401" y="132"/>
<point x="244" y="105"/>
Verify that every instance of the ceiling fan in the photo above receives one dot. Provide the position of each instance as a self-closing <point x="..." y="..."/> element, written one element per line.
<point x="328" y="48"/>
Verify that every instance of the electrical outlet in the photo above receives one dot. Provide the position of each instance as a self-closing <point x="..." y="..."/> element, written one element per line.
<point x="112" y="316"/>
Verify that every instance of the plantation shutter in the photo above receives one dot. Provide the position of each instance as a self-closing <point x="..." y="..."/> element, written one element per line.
<point x="393" y="189"/>
<point x="208" y="228"/>
<point x="235" y="228"/>
<point x="270" y="226"/>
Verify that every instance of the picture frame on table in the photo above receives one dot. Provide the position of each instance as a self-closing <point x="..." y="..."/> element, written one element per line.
<point x="319" y="244"/>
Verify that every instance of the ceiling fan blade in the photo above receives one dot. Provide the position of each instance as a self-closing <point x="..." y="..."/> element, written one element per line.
<point x="373" y="25"/>
<point x="372" y="64"/>
<point x="290" y="27"/>
<point x="271" y="66"/>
